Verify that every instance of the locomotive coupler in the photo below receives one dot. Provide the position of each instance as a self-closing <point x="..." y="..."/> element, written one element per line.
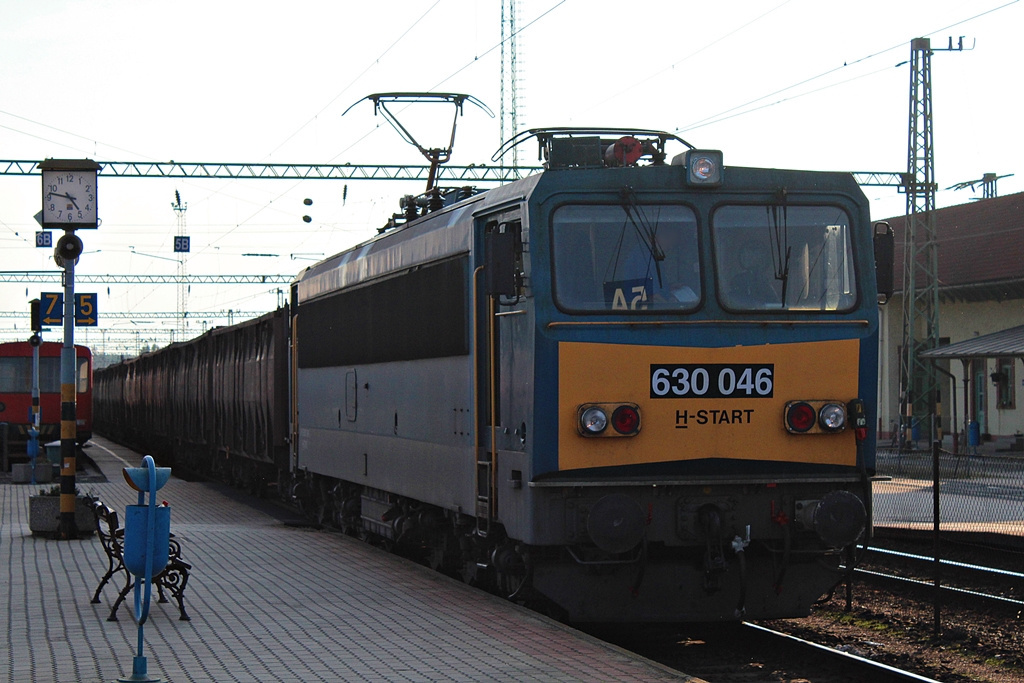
<point x="710" y="519"/>
<point x="739" y="545"/>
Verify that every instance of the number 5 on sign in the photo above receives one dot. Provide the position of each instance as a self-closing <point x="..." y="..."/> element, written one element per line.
<point x="86" y="314"/>
<point x="181" y="244"/>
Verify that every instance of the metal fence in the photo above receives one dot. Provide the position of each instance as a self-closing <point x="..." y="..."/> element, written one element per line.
<point x="982" y="492"/>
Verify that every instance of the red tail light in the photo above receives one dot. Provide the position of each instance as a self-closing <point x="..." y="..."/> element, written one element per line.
<point x="626" y="420"/>
<point x="800" y="417"/>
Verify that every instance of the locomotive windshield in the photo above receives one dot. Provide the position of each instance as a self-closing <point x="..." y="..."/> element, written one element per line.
<point x="626" y="257"/>
<point x="795" y="258"/>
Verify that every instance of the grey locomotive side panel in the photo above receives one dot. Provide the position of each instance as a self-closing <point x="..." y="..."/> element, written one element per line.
<point x="407" y="427"/>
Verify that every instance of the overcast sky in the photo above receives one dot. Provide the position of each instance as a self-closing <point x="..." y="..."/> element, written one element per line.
<point x="777" y="83"/>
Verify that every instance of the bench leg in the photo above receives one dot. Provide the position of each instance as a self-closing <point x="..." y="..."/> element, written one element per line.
<point x="175" y="579"/>
<point x="120" y="598"/>
<point x="103" y="582"/>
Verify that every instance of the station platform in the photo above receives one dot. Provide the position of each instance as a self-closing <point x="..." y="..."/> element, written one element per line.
<point x="269" y="600"/>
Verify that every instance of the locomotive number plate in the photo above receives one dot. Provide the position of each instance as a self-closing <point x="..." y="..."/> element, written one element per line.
<point x="713" y="380"/>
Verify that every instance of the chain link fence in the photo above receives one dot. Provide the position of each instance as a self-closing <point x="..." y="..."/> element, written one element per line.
<point x="981" y="492"/>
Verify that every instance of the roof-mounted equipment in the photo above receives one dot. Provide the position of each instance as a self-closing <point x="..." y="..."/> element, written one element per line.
<point x="595" y="147"/>
<point x="435" y="155"/>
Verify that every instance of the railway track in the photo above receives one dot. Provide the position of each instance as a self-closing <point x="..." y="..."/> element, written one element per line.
<point x="995" y="586"/>
<point x="751" y="653"/>
<point x="847" y="665"/>
<point x="888" y="634"/>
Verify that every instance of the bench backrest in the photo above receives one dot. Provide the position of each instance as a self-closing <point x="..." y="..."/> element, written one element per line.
<point x="107" y="526"/>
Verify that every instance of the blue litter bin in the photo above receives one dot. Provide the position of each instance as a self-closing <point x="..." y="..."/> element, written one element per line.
<point x="136" y="529"/>
<point x="973" y="433"/>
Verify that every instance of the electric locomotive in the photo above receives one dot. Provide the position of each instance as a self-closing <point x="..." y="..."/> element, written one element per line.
<point x="627" y="388"/>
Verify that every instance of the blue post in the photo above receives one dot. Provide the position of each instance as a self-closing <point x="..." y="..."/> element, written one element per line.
<point x="33" y="428"/>
<point x="146" y="538"/>
<point x="33" y="450"/>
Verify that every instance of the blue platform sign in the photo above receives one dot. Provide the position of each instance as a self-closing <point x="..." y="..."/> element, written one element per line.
<point x="52" y="309"/>
<point x="86" y="311"/>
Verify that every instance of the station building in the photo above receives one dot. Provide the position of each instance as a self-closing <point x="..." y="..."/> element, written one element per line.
<point x="980" y="320"/>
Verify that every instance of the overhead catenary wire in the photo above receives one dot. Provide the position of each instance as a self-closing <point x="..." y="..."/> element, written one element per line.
<point x="721" y="116"/>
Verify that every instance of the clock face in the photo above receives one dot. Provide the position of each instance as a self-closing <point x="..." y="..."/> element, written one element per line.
<point x="69" y="199"/>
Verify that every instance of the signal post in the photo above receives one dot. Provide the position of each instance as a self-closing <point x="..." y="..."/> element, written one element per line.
<point x="69" y="203"/>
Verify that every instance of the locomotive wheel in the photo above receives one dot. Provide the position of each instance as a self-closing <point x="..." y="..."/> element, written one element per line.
<point x="257" y="485"/>
<point x="441" y="557"/>
<point x="320" y="508"/>
<point x="468" y="573"/>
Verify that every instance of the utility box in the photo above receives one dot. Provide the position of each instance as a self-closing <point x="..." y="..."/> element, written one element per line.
<point x="53" y="452"/>
<point x="21" y="473"/>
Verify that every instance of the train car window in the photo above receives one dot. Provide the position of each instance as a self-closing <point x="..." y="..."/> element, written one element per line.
<point x="83" y="375"/>
<point x="629" y="257"/>
<point x="15" y="375"/>
<point x="420" y="313"/>
<point x="793" y="258"/>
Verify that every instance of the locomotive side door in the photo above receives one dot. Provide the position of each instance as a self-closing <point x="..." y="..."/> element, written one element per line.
<point x="499" y="312"/>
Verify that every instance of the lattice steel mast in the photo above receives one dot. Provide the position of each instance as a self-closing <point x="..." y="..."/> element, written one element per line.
<point x="509" y="111"/>
<point x="918" y="378"/>
<point x="180" y="208"/>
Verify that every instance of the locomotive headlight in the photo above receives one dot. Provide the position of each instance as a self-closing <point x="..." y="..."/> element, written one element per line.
<point x="593" y="421"/>
<point x="832" y="417"/>
<point x="703" y="166"/>
<point x="824" y="416"/>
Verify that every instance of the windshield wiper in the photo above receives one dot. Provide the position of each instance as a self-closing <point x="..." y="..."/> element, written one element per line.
<point x="647" y="233"/>
<point x="778" y="237"/>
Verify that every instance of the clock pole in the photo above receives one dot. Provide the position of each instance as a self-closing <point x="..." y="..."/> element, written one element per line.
<point x="69" y="202"/>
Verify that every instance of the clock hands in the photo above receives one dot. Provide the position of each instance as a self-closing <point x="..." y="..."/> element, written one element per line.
<point x="66" y="196"/>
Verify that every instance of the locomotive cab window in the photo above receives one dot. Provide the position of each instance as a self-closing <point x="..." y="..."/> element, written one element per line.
<point x="629" y="257"/>
<point x="16" y="375"/>
<point x="792" y="258"/>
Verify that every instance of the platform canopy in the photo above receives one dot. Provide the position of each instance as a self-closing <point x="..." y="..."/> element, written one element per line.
<point x="1000" y="344"/>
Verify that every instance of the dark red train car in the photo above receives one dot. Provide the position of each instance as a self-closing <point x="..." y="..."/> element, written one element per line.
<point x="215" y="405"/>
